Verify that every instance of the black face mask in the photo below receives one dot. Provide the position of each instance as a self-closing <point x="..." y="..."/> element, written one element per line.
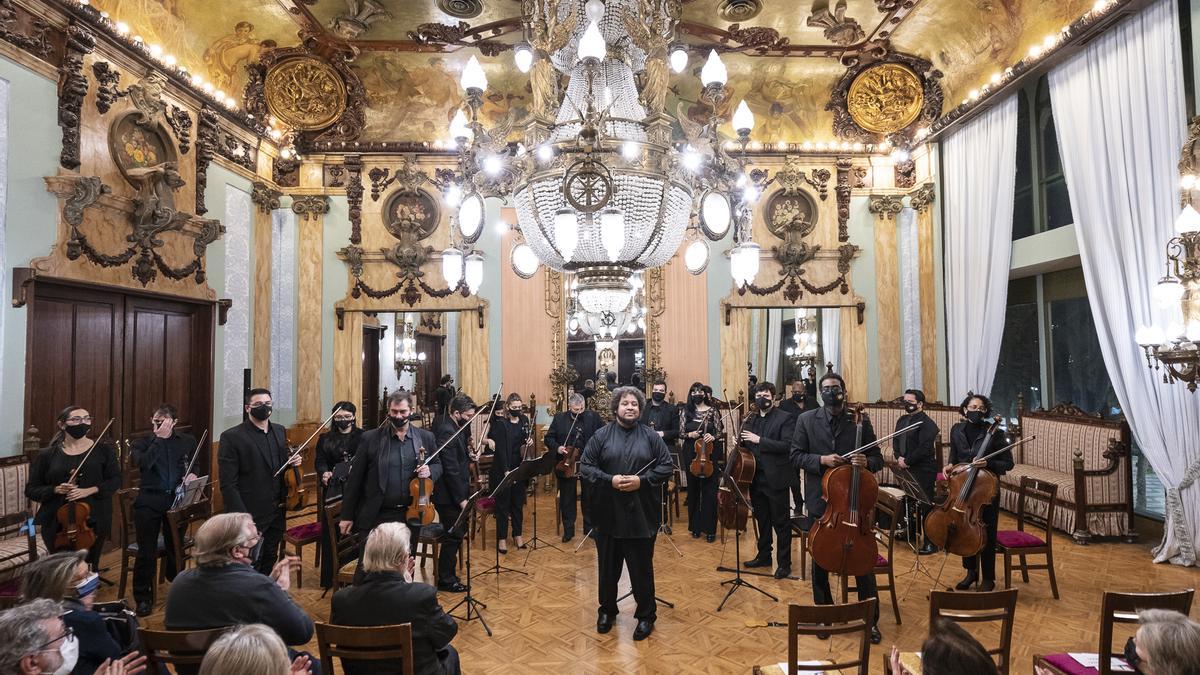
<point x="798" y="396"/>
<point x="910" y="408"/>
<point x="764" y="403"/>
<point x="1131" y="655"/>
<point x="343" y="424"/>
<point x="398" y="421"/>
<point x="697" y="399"/>
<point x="261" y="413"/>
<point x="832" y="397"/>
<point x="78" y="431"/>
<point x="514" y="412"/>
<point x="658" y="396"/>
<point x="975" y="416"/>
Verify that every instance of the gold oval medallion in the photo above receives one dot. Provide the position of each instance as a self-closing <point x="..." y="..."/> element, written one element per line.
<point x="305" y="93"/>
<point x="885" y="98"/>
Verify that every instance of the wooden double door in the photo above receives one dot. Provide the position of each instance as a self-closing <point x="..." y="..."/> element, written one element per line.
<point x="120" y="355"/>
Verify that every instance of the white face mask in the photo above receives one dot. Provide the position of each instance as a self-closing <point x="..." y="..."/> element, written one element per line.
<point x="69" y="651"/>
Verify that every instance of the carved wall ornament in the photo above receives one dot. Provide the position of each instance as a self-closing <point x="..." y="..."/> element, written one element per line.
<point x="904" y="174"/>
<point x="362" y="14"/>
<point x="181" y="124"/>
<point x="147" y="97"/>
<point x="439" y="33"/>
<point x="461" y="9"/>
<point x="107" y="79"/>
<point x="72" y="91"/>
<point x="861" y="173"/>
<point x="923" y="197"/>
<point x="792" y="177"/>
<point x="84" y="192"/>
<point x="236" y="150"/>
<point x="739" y="10"/>
<point x="354" y="196"/>
<point x="884" y="92"/>
<point x="138" y="145"/>
<point x="264" y="196"/>
<point x="334" y="176"/>
<point x="885" y="206"/>
<point x="310" y="206"/>
<point x="305" y="93"/>
<point x="206" y="148"/>
<point x="757" y="37"/>
<point x="406" y="177"/>
<point x="839" y="29"/>
<point x="791" y="211"/>
<point x="35" y="40"/>
<point x="285" y="172"/>
<point x="410" y="213"/>
<point x="842" y="190"/>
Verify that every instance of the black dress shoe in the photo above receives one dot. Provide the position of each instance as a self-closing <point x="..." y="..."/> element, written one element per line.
<point x="758" y="562"/>
<point x="987" y="586"/>
<point x="876" y="636"/>
<point x="453" y="587"/>
<point x="967" y="582"/>
<point x="643" y="630"/>
<point x="695" y="535"/>
<point x="568" y="537"/>
<point x="604" y="623"/>
<point x="927" y="549"/>
<point x="710" y="538"/>
<point x="667" y="530"/>
<point x="145" y="608"/>
<point x="783" y="572"/>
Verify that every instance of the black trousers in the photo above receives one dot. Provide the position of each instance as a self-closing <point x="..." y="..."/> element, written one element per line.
<point x="771" y="513"/>
<point x="638" y="557"/>
<point x="451" y="543"/>
<point x="823" y="596"/>
<point x="702" y="503"/>
<point x="985" y="562"/>
<point x="270" y="535"/>
<point x="149" y="522"/>
<point x="510" y="507"/>
<point x="568" y="488"/>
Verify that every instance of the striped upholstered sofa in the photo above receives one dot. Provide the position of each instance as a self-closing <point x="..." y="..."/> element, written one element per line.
<point x="1088" y="458"/>
<point x="883" y="416"/>
<point x="17" y="548"/>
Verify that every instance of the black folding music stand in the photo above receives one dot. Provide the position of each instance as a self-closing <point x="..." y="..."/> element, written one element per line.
<point x="469" y="600"/>
<point x="914" y="498"/>
<point x="737" y="582"/>
<point x="526" y="470"/>
<point x="545" y="466"/>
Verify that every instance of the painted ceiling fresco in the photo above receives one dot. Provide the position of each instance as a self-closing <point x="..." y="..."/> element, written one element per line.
<point x="412" y="88"/>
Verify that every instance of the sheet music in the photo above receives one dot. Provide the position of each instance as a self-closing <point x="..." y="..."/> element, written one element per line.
<point x="1093" y="661"/>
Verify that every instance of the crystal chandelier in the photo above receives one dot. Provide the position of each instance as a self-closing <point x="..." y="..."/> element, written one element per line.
<point x="1174" y="343"/>
<point x="607" y="324"/>
<point x="408" y="359"/>
<point x="804" y="351"/>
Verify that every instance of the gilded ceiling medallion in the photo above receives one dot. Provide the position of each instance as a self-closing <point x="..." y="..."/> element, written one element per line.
<point x="739" y="10"/>
<point x="462" y="9"/>
<point x="305" y="93"/>
<point x="885" y="98"/>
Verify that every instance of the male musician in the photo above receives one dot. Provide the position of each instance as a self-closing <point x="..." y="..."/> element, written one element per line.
<point x="508" y="437"/>
<point x="249" y="460"/>
<point x="915" y="453"/>
<point x="377" y="490"/>
<point x="443" y="395"/>
<point x="626" y="463"/>
<point x="968" y="440"/>
<point x="821" y="437"/>
<point x="768" y="435"/>
<point x="452" y="489"/>
<point x="661" y="416"/>
<point x="573" y="428"/>
<point x="799" y="400"/>
<point x="161" y="458"/>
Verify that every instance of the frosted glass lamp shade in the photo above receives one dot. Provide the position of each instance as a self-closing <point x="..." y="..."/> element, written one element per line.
<point x="713" y="71"/>
<point x="592" y="45"/>
<point x="1168" y="292"/>
<point x="523" y="57"/>
<point x="470" y="217"/>
<point x="612" y="232"/>
<point x="459" y="129"/>
<point x="715" y="215"/>
<point x="474" y="272"/>
<point x="695" y="257"/>
<point x="1188" y="220"/>
<point x="473" y="76"/>
<point x="743" y="119"/>
<point x="452" y="266"/>
<point x="679" y="59"/>
<point x="566" y="232"/>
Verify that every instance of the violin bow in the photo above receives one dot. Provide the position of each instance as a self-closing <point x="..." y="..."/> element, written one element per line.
<point x="92" y="447"/>
<point x="452" y="437"/>
<point x="1010" y="446"/>
<point x="307" y="441"/>
<point x="196" y="453"/>
<point x="488" y="424"/>
<point x="877" y="441"/>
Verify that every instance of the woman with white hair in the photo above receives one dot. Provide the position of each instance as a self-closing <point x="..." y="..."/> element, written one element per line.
<point x="253" y="649"/>
<point x="1166" y="643"/>
<point x="388" y="596"/>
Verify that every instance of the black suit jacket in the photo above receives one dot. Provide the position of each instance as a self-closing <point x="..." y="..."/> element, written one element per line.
<point x="774" y="467"/>
<point x="247" y="473"/>
<point x="363" y="498"/>
<point x="916" y="446"/>
<point x="662" y="417"/>
<point x="963" y="449"/>
<point x="228" y="595"/>
<point x="510" y="438"/>
<point x="455" y="483"/>
<point x="385" y="599"/>
<point x="814" y="436"/>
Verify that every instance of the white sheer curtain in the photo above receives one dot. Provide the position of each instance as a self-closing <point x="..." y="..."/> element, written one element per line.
<point x="831" y="339"/>
<point x="774" y="329"/>
<point x="980" y="162"/>
<point x="1119" y="113"/>
<point x="908" y="247"/>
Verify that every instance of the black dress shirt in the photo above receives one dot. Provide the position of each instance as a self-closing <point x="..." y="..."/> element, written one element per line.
<point x="615" y="450"/>
<point x="916" y="446"/>
<point x="772" y="466"/>
<point x="662" y="417"/>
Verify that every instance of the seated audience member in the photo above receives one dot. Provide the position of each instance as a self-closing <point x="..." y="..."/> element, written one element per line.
<point x="1166" y="643"/>
<point x="252" y="650"/>
<point x="66" y="577"/>
<point x="950" y="650"/>
<point x="389" y="596"/>
<point x="225" y="590"/>
<point x="34" y="640"/>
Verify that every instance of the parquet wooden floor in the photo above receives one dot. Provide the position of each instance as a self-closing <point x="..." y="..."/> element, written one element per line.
<point x="544" y="622"/>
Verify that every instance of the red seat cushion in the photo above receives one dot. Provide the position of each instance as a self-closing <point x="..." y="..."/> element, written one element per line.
<point x="880" y="561"/>
<point x="10" y="588"/>
<point x="1018" y="539"/>
<point x="1068" y="665"/>
<point x="941" y="476"/>
<point x="305" y="532"/>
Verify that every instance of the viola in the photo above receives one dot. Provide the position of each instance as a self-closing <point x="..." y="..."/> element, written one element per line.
<point x="568" y="466"/>
<point x="843" y="540"/>
<point x="733" y="507"/>
<point x="956" y="525"/>
<point x="702" y="465"/>
<point x="420" y="490"/>
<point x="74" y="531"/>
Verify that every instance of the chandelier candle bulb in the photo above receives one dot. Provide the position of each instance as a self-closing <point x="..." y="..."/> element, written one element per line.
<point x="594" y="10"/>
<point x="523" y="57"/>
<point x="459" y="129"/>
<point x="1188" y="220"/>
<point x="1187" y="182"/>
<point x="713" y="72"/>
<point x="473" y="271"/>
<point x="592" y="45"/>
<point x="679" y="59"/>
<point x="473" y="76"/>
<point x="566" y="232"/>
<point x="612" y="232"/>
<point x="1168" y="292"/>
<point x="743" y="119"/>
<point x="453" y="196"/>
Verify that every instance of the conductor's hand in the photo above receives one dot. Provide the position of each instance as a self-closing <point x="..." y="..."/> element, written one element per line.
<point x="859" y="460"/>
<point x="832" y="460"/>
<point x="626" y="483"/>
<point x="344" y="526"/>
<point x="423" y="471"/>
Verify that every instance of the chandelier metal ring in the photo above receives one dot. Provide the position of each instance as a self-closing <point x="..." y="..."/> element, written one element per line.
<point x="588" y="188"/>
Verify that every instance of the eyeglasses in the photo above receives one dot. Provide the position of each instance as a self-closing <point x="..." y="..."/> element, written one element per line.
<point x="347" y="418"/>
<point x="80" y="420"/>
<point x="68" y="634"/>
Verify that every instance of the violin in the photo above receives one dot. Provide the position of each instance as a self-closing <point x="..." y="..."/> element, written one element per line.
<point x="295" y="495"/>
<point x="702" y="466"/>
<point x="843" y="540"/>
<point x="568" y="466"/>
<point x="733" y="508"/>
<point x="420" y="490"/>
<point x="74" y="532"/>
<point x="956" y="525"/>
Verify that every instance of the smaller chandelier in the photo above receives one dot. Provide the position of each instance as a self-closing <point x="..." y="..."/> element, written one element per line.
<point x="408" y="359"/>
<point x="804" y="350"/>
<point x="1173" y="343"/>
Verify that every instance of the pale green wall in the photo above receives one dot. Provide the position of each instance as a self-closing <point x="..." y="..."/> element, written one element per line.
<point x="30" y="218"/>
<point x="862" y="271"/>
<point x="335" y="285"/>
<point x="220" y="181"/>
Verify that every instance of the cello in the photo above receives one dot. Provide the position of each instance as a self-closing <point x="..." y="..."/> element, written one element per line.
<point x="702" y="465"/>
<point x="843" y="540"/>
<point x="420" y="490"/>
<point x="733" y="506"/>
<point x="74" y="533"/>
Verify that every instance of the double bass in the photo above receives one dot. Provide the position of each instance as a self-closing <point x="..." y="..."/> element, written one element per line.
<point x="74" y="532"/>
<point x="702" y="464"/>
<point x="843" y="540"/>
<point x="733" y="503"/>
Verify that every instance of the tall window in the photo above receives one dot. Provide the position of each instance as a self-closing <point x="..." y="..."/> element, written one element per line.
<point x="1018" y="372"/>
<point x="1041" y="200"/>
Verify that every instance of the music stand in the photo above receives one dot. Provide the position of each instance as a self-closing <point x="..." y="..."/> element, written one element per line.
<point x="737" y="582"/>
<point x="527" y="469"/>
<point x="544" y="467"/>
<point x="915" y="497"/>
<point x="469" y="600"/>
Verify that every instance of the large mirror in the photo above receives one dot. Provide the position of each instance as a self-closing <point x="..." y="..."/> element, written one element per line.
<point x="407" y="350"/>
<point x="791" y="344"/>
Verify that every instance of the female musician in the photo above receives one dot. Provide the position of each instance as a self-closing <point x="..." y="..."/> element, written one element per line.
<point x="702" y="421"/>
<point x="95" y="482"/>
<point x="508" y="436"/>
<point x="336" y="448"/>
<point x="966" y="438"/>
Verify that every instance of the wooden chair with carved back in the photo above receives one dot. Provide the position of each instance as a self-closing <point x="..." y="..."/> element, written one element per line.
<point x="996" y="606"/>
<point x="183" y="650"/>
<point x="1021" y="543"/>
<point x="853" y="619"/>
<point x="392" y="644"/>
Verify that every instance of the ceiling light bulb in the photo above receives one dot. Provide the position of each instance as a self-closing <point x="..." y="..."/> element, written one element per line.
<point x="592" y="45"/>
<point x="691" y="159"/>
<point x="1187" y="181"/>
<point x="713" y="71"/>
<point x="453" y="196"/>
<point x="679" y="59"/>
<point x="473" y="76"/>
<point x="695" y="257"/>
<point x="545" y="153"/>
<point x="523" y="57"/>
<point x="122" y="28"/>
<point x="155" y="51"/>
<point x="169" y="60"/>
<point x="900" y="156"/>
<point x="492" y="165"/>
<point x="996" y="77"/>
<point x="594" y="10"/>
<point x="743" y="119"/>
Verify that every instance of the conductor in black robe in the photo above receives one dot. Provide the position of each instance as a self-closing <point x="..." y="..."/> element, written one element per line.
<point x="626" y="464"/>
<point x="914" y="451"/>
<point x="821" y="437"/>
<point x="573" y="428"/>
<point x="452" y="489"/>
